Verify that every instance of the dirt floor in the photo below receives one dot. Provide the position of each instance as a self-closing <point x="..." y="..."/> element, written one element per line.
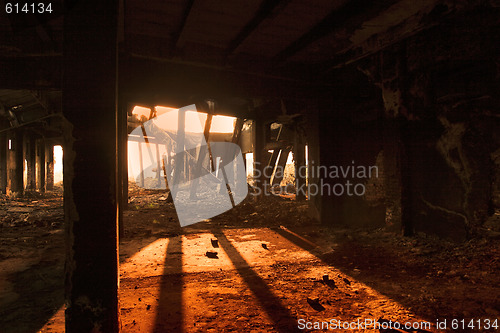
<point x="272" y="269"/>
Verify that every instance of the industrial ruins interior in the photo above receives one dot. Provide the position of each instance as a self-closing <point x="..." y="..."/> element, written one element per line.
<point x="250" y="166"/>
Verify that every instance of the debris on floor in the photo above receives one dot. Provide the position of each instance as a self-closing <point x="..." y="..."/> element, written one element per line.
<point x="313" y="272"/>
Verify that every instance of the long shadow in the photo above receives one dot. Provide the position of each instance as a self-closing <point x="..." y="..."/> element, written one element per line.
<point x="170" y="315"/>
<point x="283" y="320"/>
<point x="40" y="292"/>
<point x="377" y="266"/>
<point x="40" y="288"/>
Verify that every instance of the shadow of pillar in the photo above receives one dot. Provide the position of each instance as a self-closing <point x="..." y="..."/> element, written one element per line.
<point x="170" y="314"/>
<point x="279" y="314"/>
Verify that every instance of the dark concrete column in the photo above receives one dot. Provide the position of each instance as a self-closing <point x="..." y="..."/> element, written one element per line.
<point x="299" y="154"/>
<point x="313" y="160"/>
<point x="40" y="164"/>
<point x="122" y="142"/>
<point x="90" y="166"/>
<point x="346" y="143"/>
<point x="18" y="169"/>
<point x="406" y="192"/>
<point x="31" y="159"/>
<point x="258" y="154"/>
<point x="393" y="159"/>
<point x="3" y="162"/>
<point x="141" y="165"/>
<point x="179" y="157"/>
<point x="49" y="167"/>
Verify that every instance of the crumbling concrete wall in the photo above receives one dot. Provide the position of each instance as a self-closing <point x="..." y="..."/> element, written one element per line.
<point x="441" y="87"/>
<point x="437" y="144"/>
<point x="351" y="133"/>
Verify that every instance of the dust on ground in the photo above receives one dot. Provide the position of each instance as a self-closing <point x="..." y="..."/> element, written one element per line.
<point x="260" y="267"/>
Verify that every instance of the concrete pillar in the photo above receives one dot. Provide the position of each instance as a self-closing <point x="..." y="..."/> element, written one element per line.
<point x="18" y="167"/>
<point x="90" y="166"/>
<point x="141" y="165"/>
<point x="259" y="154"/>
<point x="31" y="159"/>
<point x="122" y="141"/>
<point x="179" y="157"/>
<point x="40" y="165"/>
<point x="158" y="164"/>
<point x="406" y="192"/>
<point x="49" y="167"/>
<point x="313" y="160"/>
<point x="347" y="143"/>
<point x="3" y="161"/>
<point x="299" y="156"/>
<point x="393" y="158"/>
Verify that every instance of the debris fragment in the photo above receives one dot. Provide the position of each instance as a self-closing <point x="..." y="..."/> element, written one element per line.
<point x="212" y="254"/>
<point x="315" y="304"/>
<point x="346" y="280"/>
<point x="264" y="245"/>
<point x="215" y="242"/>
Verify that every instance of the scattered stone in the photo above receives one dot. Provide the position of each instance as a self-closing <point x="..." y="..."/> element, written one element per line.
<point x="315" y="304"/>
<point x="264" y="246"/>
<point x="212" y="254"/>
<point x="215" y="243"/>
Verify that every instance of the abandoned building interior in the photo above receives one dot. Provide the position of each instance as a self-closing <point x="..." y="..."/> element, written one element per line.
<point x="364" y="186"/>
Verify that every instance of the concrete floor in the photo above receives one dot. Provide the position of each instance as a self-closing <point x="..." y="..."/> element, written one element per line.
<point x="267" y="275"/>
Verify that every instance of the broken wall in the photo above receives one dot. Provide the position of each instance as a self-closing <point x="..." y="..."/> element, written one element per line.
<point x="351" y="133"/>
<point x="440" y="89"/>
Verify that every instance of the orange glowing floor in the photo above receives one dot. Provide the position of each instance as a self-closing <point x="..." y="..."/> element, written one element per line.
<point x="170" y="285"/>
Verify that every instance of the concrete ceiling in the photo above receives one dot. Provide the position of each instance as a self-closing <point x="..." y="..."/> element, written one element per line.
<point x="247" y="48"/>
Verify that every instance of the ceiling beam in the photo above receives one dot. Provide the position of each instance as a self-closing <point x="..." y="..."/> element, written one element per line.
<point x="426" y="19"/>
<point x="266" y="8"/>
<point x="183" y="83"/>
<point x="354" y="11"/>
<point x="177" y="35"/>
<point x="35" y="72"/>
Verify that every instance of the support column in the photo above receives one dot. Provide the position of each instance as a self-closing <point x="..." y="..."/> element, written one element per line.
<point x="299" y="156"/>
<point x="122" y="144"/>
<point x="90" y="166"/>
<point x="49" y="163"/>
<point x="406" y="198"/>
<point x="141" y="165"/>
<point x="3" y="161"/>
<point x="258" y="154"/>
<point x="179" y="148"/>
<point x="17" y="171"/>
<point x="31" y="157"/>
<point x="40" y="165"/>
<point x="313" y="160"/>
